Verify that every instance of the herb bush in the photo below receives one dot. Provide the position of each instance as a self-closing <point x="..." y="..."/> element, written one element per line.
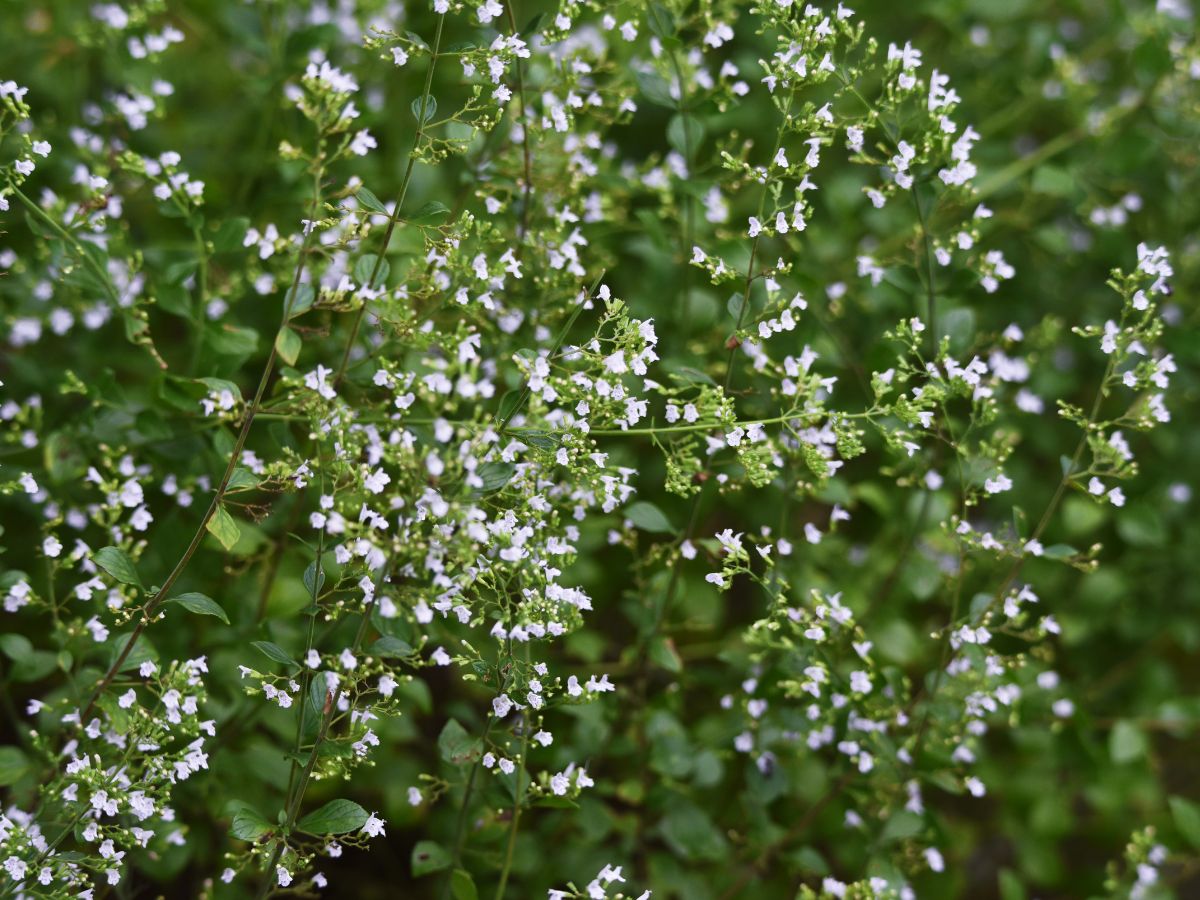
<point x="701" y="448"/>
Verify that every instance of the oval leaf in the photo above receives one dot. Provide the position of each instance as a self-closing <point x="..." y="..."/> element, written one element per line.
<point x="274" y="652"/>
<point x="116" y="562"/>
<point x="648" y="517"/>
<point x="335" y="817"/>
<point x="368" y="200"/>
<point x="201" y="605"/>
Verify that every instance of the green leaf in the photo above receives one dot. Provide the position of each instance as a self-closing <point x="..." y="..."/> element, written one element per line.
<point x="287" y="345"/>
<point x="16" y="646"/>
<point x="229" y="340"/>
<point x="429" y="857"/>
<point x="495" y="475"/>
<point x="318" y="693"/>
<point x="173" y="298"/>
<point x="655" y="89"/>
<point x="685" y="134"/>
<point x="1187" y="819"/>
<point x="901" y="826"/>
<point x="391" y="647"/>
<point x="1059" y="551"/>
<point x="691" y="833"/>
<point x="661" y="21"/>
<point x="241" y="480"/>
<point x="542" y="440"/>
<point x="301" y="301"/>
<point x="335" y="817"/>
<point x="430" y="109"/>
<point x="311" y="580"/>
<point x="116" y="562"/>
<point x="143" y="651"/>
<point x="365" y="267"/>
<point x="455" y="745"/>
<point x="216" y="385"/>
<point x="248" y="825"/>
<point x="224" y="528"/>
<point x="274" y="652"/>
<point x="201" y="605"/>
<point x="1010" y="885"/>
<point x="462" y="885"/>
<point x="662" y="653"/>
<point x="13" y="765"/>
<point x="230" y="235"/>
<point x="648" y="517"/>
<point x="509" y="404"/>
<point x="532" y="25"/>
<point x="429" y="213"/>
<point x="1126" y="742"/>
<point x="368" y="200"/>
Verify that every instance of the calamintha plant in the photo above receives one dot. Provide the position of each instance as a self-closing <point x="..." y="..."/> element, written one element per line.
<point x="701" y="448"/>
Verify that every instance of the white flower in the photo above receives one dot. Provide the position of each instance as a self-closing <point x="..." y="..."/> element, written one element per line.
<point x="373" y="826"/>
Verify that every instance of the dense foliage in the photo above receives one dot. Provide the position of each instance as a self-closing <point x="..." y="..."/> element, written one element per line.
<point x="700" y="449"/>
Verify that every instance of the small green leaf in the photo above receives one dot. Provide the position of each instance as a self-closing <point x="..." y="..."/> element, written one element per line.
<point x="224" y="528"/>
<point x="201" y="605"/>
<point x="248" y="825"/>
<point x="495" y="475"/>
<point x="662" y="653"/>
<point x="391" y="647"/>
<point x="429" y="109"/>
<point x="685" y="134"/>
<point x="661" y="21"/>
<point x="335" y="817"/>
<point x="217" y="385"/>
<point x="287" y="345"/>
<point x="311" y="581"/>
<point x="1059" y="551"/>
<point x="462" y="885"/>
<point x="142" y="651"/>
<point x="542" y="440"/>
<point x="241" y="480"/>
<point x="655" y="89"/>
<point x="429" y="857"/>
<point x="901" y="826"/>
<point x="1187" y="819"/>
<point x="16" y="646"/>
<point x="13" y="765"/>
<point x="274" y="652"/>
<point x="116" y="562"/>
<point x="301" y="301"/>
<point x="649" y="517"/>
<point x="229" y="340"/>
<point x="370" y="201"/>
<point x="1126" y="742"/>
<point x="365" y="268"/>
<point x="455" y="745"/>
<point x="532" y="25"/>
<point x="429" y="213"/>
<point x="230" y="235"/>
<point x="509" y="404"/>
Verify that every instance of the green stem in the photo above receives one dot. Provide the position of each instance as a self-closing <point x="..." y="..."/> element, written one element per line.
<point x="395" y="216"/>
<point x="234" y="456"/>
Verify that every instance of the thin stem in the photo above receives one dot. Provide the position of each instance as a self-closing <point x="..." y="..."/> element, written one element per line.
<point x="527" y="187"/>
<point x="930" y="283"/>
<point x="460" y="828"/>
<point x="87" y="259"/>
<point x="234" y="456"/>
<point x="518" y="801"/>
<point x="395" y="216"/>
<point x="294" y="807"/>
